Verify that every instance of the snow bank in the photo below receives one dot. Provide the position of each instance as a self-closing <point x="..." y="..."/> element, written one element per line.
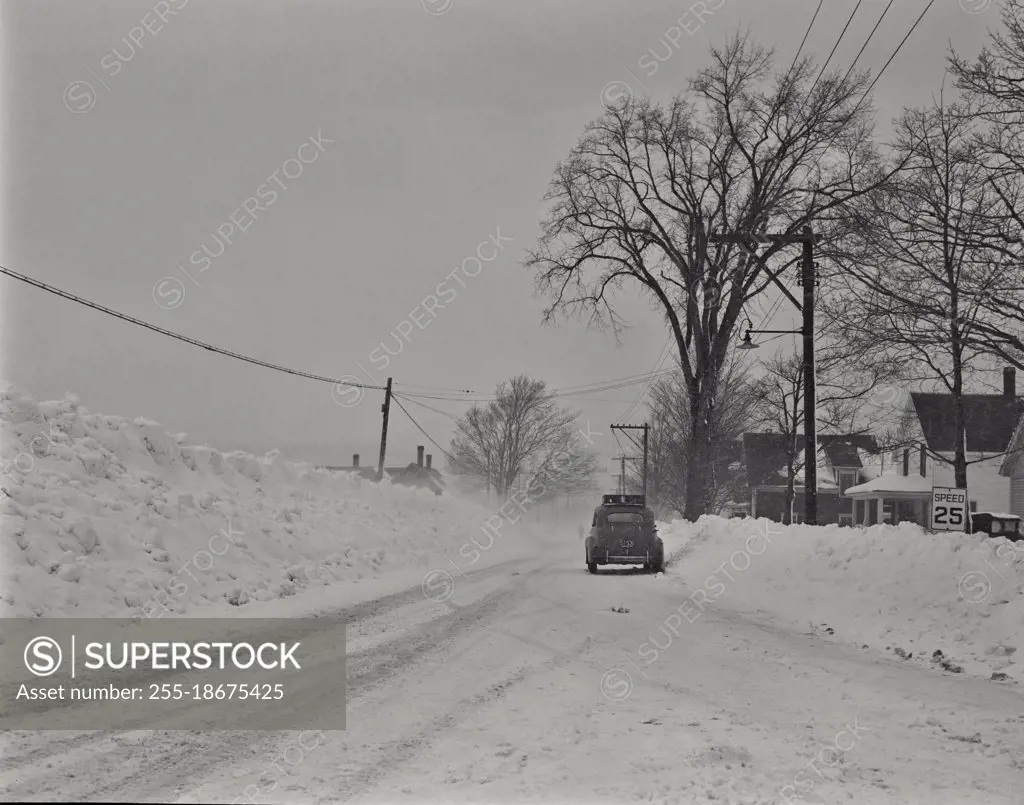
<point x="105" y="517"/>
<point x="897" y="588"/>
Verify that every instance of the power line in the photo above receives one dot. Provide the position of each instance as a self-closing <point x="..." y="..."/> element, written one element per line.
<point x="803" y="41"/>
<point x="417" y="424"/>
<point x="228" y="353"/>
<point x="895" y="52"/>
<point x="866" y="41"/>
<point x="436" y="388"/>
<point x="835" y="47"/>
<point x="451" y="416"/>
<point x="665" y="352"/>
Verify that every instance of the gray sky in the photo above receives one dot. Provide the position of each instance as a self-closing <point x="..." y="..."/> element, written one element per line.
<point x="446" y="128"/>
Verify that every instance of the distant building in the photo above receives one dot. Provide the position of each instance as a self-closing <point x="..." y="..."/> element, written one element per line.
<point x="843" y="462"/>
<point x="419" y="473"/>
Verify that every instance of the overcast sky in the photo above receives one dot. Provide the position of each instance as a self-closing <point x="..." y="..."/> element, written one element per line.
<point x="426" y="135"/>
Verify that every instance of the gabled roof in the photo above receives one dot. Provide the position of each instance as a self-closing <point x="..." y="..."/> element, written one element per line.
<point x="765" y="454"/>
<point x="991" y="420"/>
<point x="843" y="450"/>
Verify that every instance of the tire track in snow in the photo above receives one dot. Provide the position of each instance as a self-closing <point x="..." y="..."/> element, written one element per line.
<point x="57" y="765"/>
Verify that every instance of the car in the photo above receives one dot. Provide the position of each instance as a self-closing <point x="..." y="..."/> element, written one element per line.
<point x="623" y="532"/>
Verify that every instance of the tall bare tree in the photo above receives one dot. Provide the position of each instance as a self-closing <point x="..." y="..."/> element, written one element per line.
<point x="495" y="444"/>
<point x="922" y="260"/>
<point x="635" y="200"/>
<point x="994" y="84"/>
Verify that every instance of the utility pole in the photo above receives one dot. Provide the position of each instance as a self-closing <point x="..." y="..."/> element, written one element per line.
<point x="622" y="477"/>
<point x="386" y="409"/>
<point x="646" y="430"/>
<point x="643" y="446"/>
<point x="808" y="280"/>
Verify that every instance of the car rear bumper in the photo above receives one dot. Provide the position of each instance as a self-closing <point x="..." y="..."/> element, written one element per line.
<point x="633" y="557"/>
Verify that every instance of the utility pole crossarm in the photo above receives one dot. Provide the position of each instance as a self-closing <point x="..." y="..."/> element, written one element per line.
<point x="764" y="237"/>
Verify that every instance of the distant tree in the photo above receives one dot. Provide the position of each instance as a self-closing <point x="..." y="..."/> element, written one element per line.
<point x="634" y="203"/>
<point x="523" y="433"/>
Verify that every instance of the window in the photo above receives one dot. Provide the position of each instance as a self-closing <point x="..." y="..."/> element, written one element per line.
<point x="847" y="478"/>
<point x="974" y="505"/>
<point x="626" y="517"/>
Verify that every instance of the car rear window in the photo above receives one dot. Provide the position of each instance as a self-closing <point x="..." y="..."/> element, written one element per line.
<point x="625" y="517"/>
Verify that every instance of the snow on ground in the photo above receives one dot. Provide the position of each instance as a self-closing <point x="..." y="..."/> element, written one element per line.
<point x="105" y="516"/>
<point x="898" y="588"/>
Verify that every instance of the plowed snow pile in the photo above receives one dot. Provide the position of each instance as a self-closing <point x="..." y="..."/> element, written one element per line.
<point x="896" y="588"/>
<point x="105" y="516"/>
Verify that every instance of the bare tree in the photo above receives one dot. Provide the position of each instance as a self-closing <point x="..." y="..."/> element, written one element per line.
<point x="671" y="437"/>
<point x="494" y="445"/>
<point x="846" y="375"/>
<point x="634" y="202"/>
<point x="921" y="262"/>
<point x="994" y="84"/>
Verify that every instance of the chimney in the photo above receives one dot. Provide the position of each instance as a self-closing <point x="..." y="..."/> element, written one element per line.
<point x="419" y="456"/>
<point x="355" y="460"/>
<point x="429" y="457"/>
<point x="906" y="462"/>
<point x="1010" y="381"/>
<point x="924" y="463"/>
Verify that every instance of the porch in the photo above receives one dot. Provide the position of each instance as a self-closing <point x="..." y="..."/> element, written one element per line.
<point x="892" y="499"/>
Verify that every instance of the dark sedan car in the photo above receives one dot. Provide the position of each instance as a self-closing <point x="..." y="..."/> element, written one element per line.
<point x="623" y="533"/>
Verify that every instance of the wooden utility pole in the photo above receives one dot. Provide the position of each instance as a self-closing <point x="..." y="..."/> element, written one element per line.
<point x="808" y="280"/>
<point x="643" y="446"/>
<point x="386" y="409"/>
<point x="646" y="430"/>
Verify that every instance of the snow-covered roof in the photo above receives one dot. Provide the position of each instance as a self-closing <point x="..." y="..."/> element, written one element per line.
<point x="890" y="482"/>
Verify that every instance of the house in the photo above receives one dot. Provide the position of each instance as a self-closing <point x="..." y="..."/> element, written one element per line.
<point x="991" y="424"/>
<point x="1013" y="468"/>
<point x="843" y="462"/>
<point x="418" y="473"/>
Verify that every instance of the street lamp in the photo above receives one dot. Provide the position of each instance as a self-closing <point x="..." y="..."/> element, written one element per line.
<point x="810" y="425"/>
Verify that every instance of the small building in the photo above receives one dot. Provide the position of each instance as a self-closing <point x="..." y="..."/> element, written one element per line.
<point x="420" y="473"/>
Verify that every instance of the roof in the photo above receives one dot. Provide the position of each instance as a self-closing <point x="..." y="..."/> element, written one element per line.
<point x="765" y="454"/>
<point x="991" y="420"/>
<point x="843" y="450"/>
<point x="409" y="475"/>
<point x="890" y="482"/>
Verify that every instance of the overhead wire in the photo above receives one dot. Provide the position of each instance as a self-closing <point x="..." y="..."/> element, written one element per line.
<point x="170" y="334"/>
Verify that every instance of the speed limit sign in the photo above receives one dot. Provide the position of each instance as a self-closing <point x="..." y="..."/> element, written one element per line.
<point x="949" y="509"/>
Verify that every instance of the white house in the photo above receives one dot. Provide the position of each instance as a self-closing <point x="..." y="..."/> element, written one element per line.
<point x="991" y="422"/>
<point x="1013" y="468"/>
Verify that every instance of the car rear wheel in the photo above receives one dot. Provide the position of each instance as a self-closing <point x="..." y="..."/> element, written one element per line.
<point x="591" y="566"/>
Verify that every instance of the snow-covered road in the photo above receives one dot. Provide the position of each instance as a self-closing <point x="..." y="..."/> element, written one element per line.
<point x="524" y="684"/>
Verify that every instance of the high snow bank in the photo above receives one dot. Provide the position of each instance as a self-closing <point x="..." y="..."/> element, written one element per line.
<point x="105" y="516"/>
<point x="897" y="588"/>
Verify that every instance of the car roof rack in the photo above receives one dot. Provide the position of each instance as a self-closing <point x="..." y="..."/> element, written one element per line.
<point x="624" y="500"/>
